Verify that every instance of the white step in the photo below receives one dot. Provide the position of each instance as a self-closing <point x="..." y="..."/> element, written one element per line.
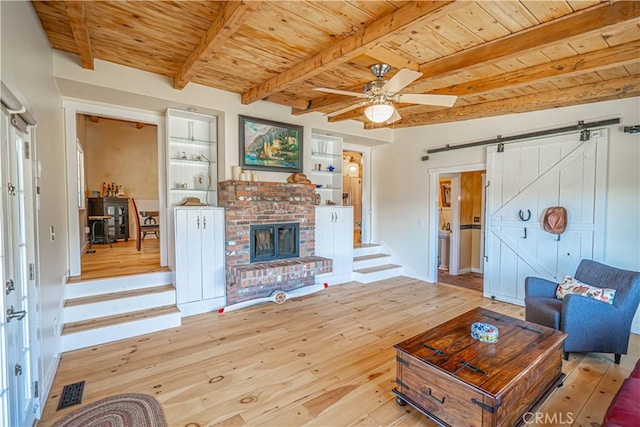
<point x="84" y="308"/>
<point x="87" y="288"/>
<point x="373" y="260"/>
<point x="112" y="328"/>
<point x="373" y="274"/>
<point x="369" y="249"/>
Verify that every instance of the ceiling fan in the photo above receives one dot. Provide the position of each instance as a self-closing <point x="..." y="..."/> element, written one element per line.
<point x="379" y="94"/>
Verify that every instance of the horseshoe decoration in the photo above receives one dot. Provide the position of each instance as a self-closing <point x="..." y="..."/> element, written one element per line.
<point x="522" y="217"/>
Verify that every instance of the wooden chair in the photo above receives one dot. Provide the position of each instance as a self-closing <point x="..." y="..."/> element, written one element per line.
<point x="143" y="229"/>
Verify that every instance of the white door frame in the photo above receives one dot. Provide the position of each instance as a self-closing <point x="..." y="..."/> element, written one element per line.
<point x="434" y="188"/>
<point x="71" y="108"/>
<point x="365" y="228"/>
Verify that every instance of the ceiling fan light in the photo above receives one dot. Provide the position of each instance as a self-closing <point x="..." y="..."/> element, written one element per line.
<point x="379" y="113"/>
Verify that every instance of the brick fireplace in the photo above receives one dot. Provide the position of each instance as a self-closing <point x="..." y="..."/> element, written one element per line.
<point x="266" y="203"/>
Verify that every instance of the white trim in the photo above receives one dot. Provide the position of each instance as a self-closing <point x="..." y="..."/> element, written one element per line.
<point x="73" y="107"/>
<point x="434" y="177"/>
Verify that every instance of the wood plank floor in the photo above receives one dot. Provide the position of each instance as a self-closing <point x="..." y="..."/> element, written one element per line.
<point x="473" y="281"/>
<point x="120" y="260"/>
<point x="326" y="359"/>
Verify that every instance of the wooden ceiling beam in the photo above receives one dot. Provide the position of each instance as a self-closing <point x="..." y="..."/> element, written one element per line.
<point x="80" y="29"/>
<point x="610" y="57"/>
<point x="536" y="38"/>
<point x="358" y="43"/>
<point x="229" y="20"/>
<point x="617" y="88"/>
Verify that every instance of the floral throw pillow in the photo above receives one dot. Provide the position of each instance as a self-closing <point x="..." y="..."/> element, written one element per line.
<point x="573" y="286"/>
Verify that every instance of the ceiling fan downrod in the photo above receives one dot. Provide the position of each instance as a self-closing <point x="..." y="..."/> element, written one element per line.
<point x="380" y="70"/>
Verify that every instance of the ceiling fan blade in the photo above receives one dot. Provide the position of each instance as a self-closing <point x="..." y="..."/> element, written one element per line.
<point x="395" y="117"/>
<point x="340" y="92"/>
<point x="426" y="99"/>
<point x="401" y="79"/>
<point x="346" y="109"/>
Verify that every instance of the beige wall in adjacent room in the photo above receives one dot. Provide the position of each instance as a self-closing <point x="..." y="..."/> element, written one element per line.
<point x="119" y="152"/>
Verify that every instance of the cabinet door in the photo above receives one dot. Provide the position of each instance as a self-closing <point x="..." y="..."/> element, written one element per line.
<point x="188" y="255"/>
<point x="343" y="240"/>
<point x="212" y="226"/>
<point x="324" y="231"/>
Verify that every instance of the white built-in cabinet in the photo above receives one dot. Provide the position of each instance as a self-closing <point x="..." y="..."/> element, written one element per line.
<point x="334" y="238"/>
<point x="326" y="167"/>
<point x="200" y="264"/>
<point x="191" y="157"/>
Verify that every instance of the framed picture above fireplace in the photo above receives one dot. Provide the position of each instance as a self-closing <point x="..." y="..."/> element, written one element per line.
<point x="270" y="146"/>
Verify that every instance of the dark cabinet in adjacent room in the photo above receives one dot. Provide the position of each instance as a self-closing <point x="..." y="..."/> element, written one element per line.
<point x="118" y="209"/>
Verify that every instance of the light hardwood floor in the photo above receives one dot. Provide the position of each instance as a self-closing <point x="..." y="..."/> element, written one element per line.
<point x="120" y="260"/>
<point x="326" y="359"/>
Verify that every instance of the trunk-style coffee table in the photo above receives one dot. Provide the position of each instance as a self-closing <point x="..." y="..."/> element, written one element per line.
<point x="459" y="381"/>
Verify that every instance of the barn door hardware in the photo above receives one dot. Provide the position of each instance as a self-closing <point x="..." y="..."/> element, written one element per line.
<point x="501" y="140"/>
<point x="522" y="217"/>
<point x="631" y="129"/>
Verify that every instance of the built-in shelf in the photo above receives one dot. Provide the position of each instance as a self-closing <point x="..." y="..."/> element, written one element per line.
<point x="192" y="156"/>
<point x="191" y="161"/>
<point x="178" y="140"/>
<point x="328" y="172"/>
<point x="193" y="189"/>
<point x="327" y="155"/>
<point x="326" y="151"/>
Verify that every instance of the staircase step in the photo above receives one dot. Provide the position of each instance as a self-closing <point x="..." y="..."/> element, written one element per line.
<point x="85" y="288"/>
<point x="377" y="268"/>
<point x="373" y="274"/>
<point x="114" y="303"/>
<point x="372" y="260"/>
<point x="367" y="249"/>
<point x="111" y="328"/>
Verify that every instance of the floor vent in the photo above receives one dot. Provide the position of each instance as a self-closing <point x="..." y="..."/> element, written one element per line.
<point x="91" y="251"/>
<point x="71" y="395"/>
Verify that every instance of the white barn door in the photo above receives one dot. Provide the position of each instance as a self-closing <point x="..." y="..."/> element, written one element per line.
<point x="524" y="180"/>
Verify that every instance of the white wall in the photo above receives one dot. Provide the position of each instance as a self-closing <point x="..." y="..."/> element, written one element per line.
<point x="401" y="192"/>
<point x="107" y="78"/>
<point x="27" y="69"/>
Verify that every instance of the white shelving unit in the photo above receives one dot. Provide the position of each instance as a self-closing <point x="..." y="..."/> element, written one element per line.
<point x="191" y="157"/>
<point x="326" y="167"/>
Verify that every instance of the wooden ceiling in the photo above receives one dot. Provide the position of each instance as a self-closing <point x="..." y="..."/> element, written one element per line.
<point x="498" y="57"/>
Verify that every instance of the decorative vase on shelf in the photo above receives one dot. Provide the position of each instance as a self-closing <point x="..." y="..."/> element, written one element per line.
<point x="330" y="168"/>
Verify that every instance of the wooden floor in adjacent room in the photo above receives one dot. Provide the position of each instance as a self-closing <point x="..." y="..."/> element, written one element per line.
<point x="473" y="281"/>
<point x="326" y="359"/>
<point x="121" y="259"/>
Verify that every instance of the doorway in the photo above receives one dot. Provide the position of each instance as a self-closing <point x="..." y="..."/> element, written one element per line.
<point x="134" y="119"/>
<point x="352" y="173"/>
<point x="456" y="208"/>
<point x="460" y="241"/>
<point x="120" y="159"/>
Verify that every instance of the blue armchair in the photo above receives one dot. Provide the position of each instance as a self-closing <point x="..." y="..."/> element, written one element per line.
<point x="591" y="325"/>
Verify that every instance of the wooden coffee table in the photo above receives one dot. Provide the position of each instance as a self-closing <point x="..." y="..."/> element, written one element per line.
<point x="459" y="381"/>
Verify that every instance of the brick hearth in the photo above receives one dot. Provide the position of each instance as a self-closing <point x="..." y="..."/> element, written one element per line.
<point x="249" y="203"/>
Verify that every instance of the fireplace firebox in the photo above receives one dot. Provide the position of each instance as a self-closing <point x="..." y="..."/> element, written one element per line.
<point x="269" y="242"/>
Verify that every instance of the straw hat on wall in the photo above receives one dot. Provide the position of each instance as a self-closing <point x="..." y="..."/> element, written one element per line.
<point x="555" y="220"/>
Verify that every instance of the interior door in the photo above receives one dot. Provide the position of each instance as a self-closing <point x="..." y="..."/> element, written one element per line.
<point x="523" y="181"/>
<point x="18" y="270"/>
